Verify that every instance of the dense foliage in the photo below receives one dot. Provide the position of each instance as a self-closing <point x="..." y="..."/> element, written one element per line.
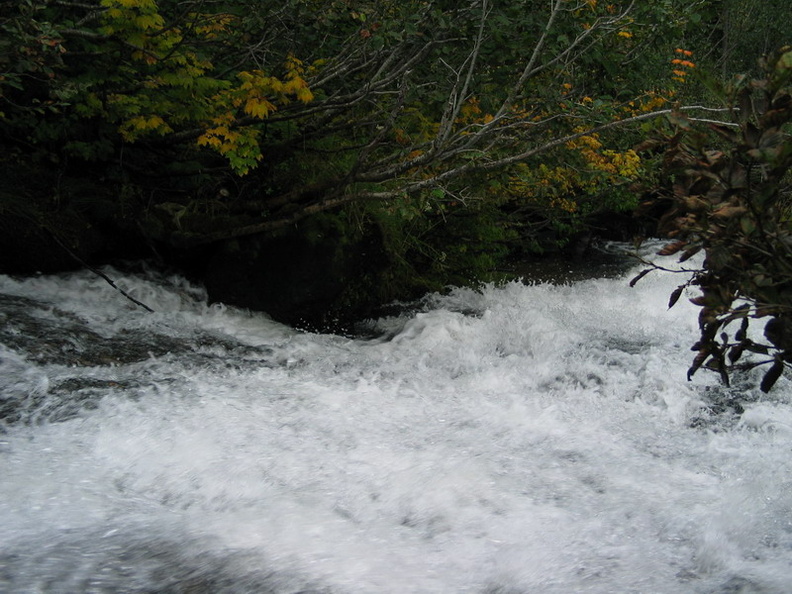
<point x="453" y="136"/>
<point x="262" y="113"/>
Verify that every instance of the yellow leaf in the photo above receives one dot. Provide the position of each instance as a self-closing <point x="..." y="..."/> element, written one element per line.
<point x="157" y="124"/>
<point x="294" y="85"/>
<point x="305" y="95"/>
<point x="258" y="107"/>
<point x="209" y="139"/>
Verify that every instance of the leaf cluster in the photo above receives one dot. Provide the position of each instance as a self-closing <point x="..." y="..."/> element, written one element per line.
<point x="729" y="195"/>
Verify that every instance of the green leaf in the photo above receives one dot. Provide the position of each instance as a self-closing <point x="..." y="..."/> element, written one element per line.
<point x="785" y="61"/>
<point x="747" y="225"/>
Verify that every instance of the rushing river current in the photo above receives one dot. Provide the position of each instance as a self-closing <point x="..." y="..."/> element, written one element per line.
<point x="526" y="438"/>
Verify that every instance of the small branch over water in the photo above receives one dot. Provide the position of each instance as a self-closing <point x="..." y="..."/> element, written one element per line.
<point x="99" y="273"/>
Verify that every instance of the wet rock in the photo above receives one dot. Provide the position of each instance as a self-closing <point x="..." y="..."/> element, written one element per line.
<point x="30" y="328"/>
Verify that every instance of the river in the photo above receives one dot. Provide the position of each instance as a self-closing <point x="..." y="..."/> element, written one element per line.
<point x="527" y="438"/>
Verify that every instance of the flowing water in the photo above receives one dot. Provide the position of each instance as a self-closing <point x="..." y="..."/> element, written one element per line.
<point x="528" y="438"/>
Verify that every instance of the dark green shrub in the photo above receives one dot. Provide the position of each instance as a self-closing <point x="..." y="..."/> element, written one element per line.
<point x="728" y="193"/>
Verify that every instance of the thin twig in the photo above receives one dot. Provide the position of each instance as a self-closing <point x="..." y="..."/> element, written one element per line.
<point x="99" y="273"/>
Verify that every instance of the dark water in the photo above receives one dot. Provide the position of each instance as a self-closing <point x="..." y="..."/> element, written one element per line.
<point x="602" y="260"/>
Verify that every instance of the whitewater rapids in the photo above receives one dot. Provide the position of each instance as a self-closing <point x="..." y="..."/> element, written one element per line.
<point x="525" y="438"/>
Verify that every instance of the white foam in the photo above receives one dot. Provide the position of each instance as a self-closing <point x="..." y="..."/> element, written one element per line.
<point x="525" y="438"/>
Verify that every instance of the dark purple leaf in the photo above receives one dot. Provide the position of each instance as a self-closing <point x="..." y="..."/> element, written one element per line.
<point x="640" y="275"/>
<point x="772" y="375"/>
<point x="675" y="296"/>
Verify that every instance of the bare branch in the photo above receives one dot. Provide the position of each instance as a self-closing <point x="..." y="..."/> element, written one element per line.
<point x="459" y="93"/>
<point x="490" y="165"/>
